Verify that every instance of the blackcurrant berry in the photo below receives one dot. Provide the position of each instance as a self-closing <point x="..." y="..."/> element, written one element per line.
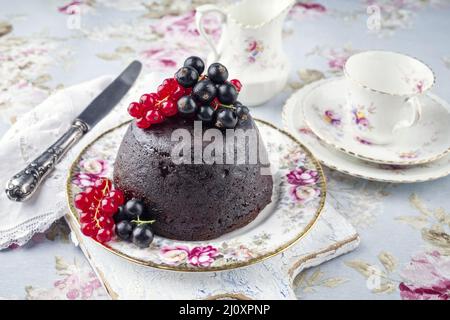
<point x="120" y="215"/>
<point x="124" y="229"/>
<point x="196" y="63"/>
<point x="218" y="73"/>
<point x="227" y="93"/>
<point x="133" y="209"/>
<point x="226" y="118"/>
<point x="204" y="92"/>
<point x="142" y="236"/>
<point x="206" y="113"/>
<point x="187" y="107"/>
<point x="187" y="76"/>
<point x="242" y="112"/>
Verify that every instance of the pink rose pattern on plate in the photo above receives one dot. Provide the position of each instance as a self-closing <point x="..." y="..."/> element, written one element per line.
<point x="202" y="256"/>
<point x="198" y="256"/>
<point x="90" y="171"/>
<point x="303" y="184"/>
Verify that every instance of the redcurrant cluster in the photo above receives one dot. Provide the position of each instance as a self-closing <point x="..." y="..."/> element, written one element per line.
<point x="154" y="108"/>
<point x="98" y="204"/>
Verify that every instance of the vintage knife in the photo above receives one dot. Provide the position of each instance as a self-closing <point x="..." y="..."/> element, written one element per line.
<point x="22" y="186"/>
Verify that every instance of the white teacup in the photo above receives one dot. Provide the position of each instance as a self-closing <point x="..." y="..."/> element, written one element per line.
<point x="383" y="90"/>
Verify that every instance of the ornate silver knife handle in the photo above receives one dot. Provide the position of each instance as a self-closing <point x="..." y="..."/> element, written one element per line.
<point x="22" y="185"/>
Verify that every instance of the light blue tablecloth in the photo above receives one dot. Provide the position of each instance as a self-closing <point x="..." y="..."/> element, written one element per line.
<point x="405" y="229"/>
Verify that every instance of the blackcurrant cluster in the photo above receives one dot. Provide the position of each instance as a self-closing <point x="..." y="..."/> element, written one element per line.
<point x="210" y="97"/>
<point x="133" y="222"/>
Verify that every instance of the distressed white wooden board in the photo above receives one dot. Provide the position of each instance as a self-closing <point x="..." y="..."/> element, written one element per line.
<point x="330" y="237"/>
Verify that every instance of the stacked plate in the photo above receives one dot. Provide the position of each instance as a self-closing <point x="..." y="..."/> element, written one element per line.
<point x="317" y="116"/>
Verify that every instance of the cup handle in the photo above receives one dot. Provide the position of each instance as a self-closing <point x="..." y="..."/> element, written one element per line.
<point x="417" y="108"/>
<point x="201" y="11"/>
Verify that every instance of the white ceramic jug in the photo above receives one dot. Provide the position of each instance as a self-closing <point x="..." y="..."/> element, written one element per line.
<point x="251" y="46"/>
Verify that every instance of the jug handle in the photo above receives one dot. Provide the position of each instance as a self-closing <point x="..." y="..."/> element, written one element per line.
<point x="201" y="11"/>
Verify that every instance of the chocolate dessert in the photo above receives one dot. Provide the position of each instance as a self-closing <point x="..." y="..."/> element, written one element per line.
<point x="189" y="201"/>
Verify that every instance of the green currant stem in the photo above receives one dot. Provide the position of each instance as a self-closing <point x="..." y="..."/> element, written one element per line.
<point x="140" y="222"/>
<point x="228" y="106"/>
<point x="97" y="209"/>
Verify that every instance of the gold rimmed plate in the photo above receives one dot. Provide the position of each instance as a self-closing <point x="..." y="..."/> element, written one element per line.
<point x="297" y="201"/>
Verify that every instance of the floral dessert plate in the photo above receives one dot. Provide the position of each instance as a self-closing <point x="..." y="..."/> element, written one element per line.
<point x="328" y="116"/>
<point x="294" y="122"/>
<point x="297" y="201"/>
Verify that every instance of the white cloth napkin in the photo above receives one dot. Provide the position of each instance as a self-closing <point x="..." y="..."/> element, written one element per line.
<point x="33" y="133"/>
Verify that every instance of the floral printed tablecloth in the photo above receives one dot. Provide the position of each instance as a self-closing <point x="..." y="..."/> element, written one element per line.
<point x="404" y="229"/>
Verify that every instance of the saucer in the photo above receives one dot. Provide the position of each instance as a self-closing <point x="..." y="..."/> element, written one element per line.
<point x="294" y="122"/>
<point x="296" y="206"/>
<point x="326" y="113"/>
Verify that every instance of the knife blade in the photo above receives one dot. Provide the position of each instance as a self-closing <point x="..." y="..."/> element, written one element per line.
<point x="105" y="101"/>
<point x="25" y="183"/>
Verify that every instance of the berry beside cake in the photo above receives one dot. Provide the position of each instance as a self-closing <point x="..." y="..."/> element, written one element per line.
<point x="185" y="200"/>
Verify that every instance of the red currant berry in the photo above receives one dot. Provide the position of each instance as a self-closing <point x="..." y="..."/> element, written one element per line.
<point x="103" y="185"/>
<point x="237" y="84"/>
<point x="89" y="229"/>
<point x="167" y="87"/>
<point x="117" y="196"/>
<point x="215" y="103"/>
<point x="104" y="235"/>
<point x="86" y="217"/>
<point x="172" y="82"/>
<point x="109" y="207"/>
<point x="169" y="108"/>
<point x="177" y="92"/>
<point x="148" y="101"/>
<point x="82" y="201"/>
<point x="106" y="222"/>
<point x="142" y="123"/>
<point x="187" y="91"/>
<point x="92" y="209"/>
<point x="154" y="116"/>
<point x="93" y="194"/>
<point x="135" y="110"/>
<point x="163" y="91"/>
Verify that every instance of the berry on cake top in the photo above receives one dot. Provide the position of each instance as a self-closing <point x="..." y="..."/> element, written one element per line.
<point x="209" y="97"/>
